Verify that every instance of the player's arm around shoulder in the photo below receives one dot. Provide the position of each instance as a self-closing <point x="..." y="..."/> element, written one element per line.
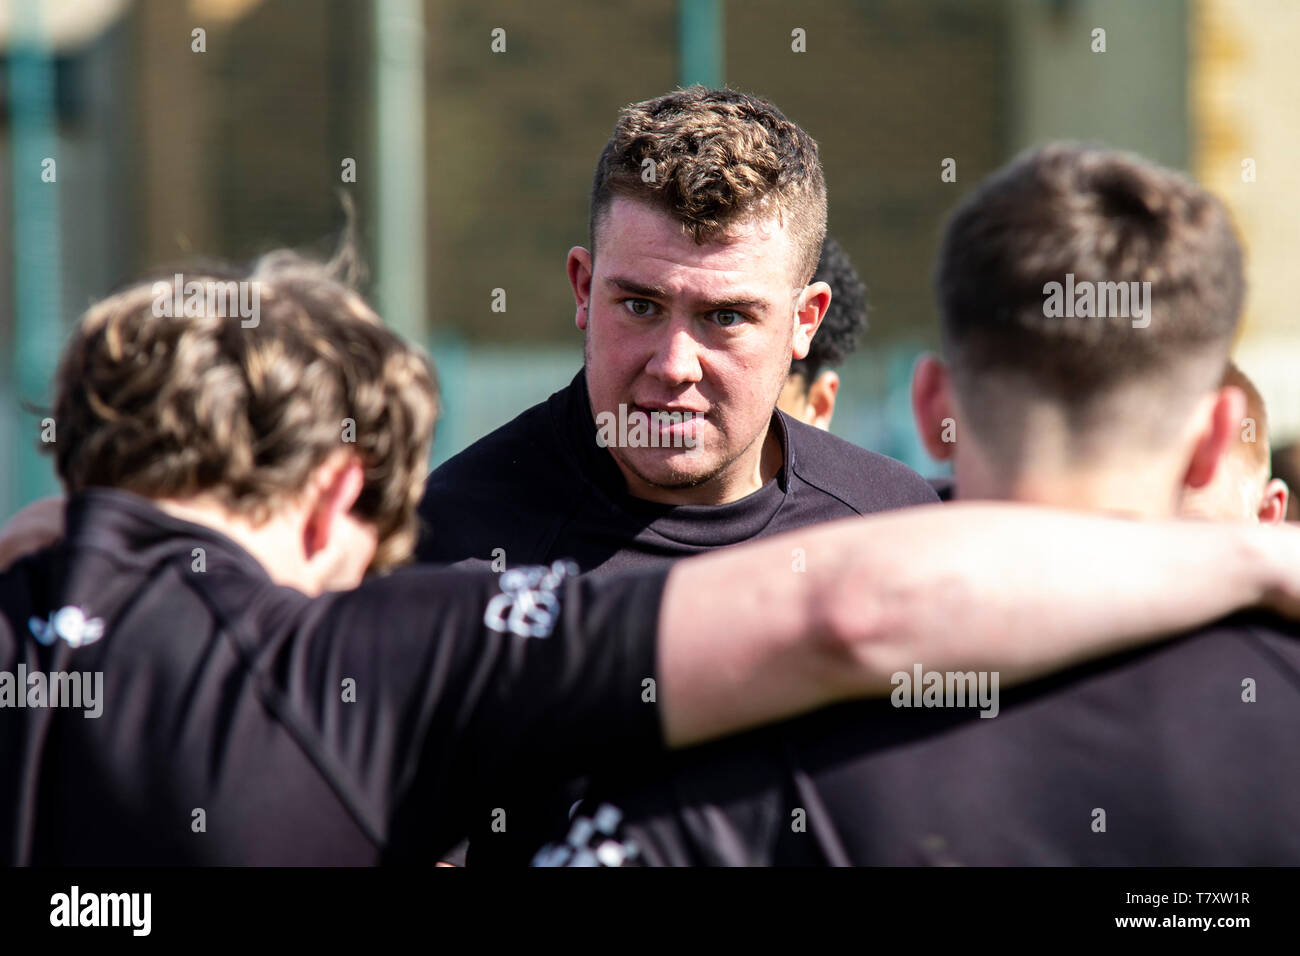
<point x="837" y="610"/>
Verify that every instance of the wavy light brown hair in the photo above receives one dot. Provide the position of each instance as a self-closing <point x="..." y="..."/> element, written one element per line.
<point x="720" y="158"/>
<point x="177" y="406"/>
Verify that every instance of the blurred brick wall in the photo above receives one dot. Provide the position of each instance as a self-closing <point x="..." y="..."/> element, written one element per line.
<point x="1245" y="85"/>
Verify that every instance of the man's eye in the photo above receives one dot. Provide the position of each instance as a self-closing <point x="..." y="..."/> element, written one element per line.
<point x="727" y="317"/>
<point x="639" y="306"/>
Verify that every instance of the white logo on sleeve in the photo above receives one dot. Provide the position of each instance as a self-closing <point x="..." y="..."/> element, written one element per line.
<point x="528" y="604"/>
<point x="70" y="624"/>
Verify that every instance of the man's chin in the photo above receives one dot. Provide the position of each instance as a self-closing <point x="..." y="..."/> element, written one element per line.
<point x="671" y="469"/>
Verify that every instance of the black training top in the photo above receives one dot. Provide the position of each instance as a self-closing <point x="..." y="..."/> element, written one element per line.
<point x="241" y="722"/>
<point x="542" y="489"/>
<point x="1185" y="754"/>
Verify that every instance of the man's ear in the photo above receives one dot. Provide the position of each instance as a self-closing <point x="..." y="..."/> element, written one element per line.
<point x="335" y="487"/>
<point x="579" y="267"/>
<point x="1272" y="507"/>
<point x="814" y="300"/>
<point x="932" y="407"/>
<point x="821" y="399"/>
<point x="1219" y="431"/>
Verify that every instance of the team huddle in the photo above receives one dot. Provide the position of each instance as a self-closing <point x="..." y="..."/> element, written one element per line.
<point x="721" y="636"/>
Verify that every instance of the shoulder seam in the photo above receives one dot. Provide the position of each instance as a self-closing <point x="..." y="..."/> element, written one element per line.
<point x="272" y="700"/>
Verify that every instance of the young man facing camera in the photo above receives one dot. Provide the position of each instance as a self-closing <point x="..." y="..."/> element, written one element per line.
<point x="708" y="212"/>
<point x="1180" y="755"/>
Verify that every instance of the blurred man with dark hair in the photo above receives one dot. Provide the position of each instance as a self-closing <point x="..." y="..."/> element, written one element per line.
<point x="1243" y="487"/>
<point x="1181" y="755"/>
<point x="809" y="393"/>
<point x="1047" y="398"/>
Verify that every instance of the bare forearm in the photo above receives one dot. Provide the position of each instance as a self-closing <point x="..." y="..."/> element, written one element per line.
<point x="747" y="637"/>
<point x="1026" y="591"/>
<point x="741" y="642"/>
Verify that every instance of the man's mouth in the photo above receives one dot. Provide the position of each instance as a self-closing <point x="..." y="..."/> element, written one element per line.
<point x="683" y="412"/>
<point x="672" y="420"/>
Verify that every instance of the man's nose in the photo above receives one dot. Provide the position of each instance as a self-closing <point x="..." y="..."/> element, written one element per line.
<point x="677" y="358"/>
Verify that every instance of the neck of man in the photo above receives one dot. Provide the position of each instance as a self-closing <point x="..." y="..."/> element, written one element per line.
<point x="274" y="543"/>
<point x="1147" y="487"/>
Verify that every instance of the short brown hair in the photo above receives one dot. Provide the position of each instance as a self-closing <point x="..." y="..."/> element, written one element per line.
<point x="720" y="158"/>
<point x="1104" y="217"/>
<point x="172" y="406"/>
